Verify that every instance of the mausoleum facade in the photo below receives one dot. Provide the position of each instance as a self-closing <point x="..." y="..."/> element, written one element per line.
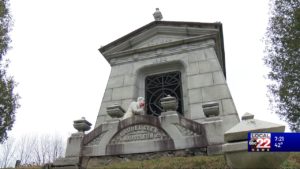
<point x="179" y="68"/>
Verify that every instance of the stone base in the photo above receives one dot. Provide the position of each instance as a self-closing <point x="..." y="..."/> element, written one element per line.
<point x="67" y="163"/>
<point x="238" y="157"/>
<point x="93" y="162"/>
<point x="214" y="150"/>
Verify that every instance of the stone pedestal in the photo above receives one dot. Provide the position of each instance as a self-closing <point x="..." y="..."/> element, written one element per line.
<point x="74" y="145"/>
<point x="236" y="148"/>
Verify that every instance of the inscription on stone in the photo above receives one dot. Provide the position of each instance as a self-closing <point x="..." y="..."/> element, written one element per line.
<point x="139" y="132"/>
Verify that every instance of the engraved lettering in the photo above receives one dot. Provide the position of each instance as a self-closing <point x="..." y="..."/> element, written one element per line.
<point x="139" y="132"/>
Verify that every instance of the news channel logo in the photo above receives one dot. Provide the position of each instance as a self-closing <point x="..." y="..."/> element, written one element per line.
<point x="259" y="142"/>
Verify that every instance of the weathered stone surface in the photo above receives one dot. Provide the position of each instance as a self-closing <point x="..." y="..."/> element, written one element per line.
<point x="196" y="111"/>
<point x="240" y="131"/>
<point x="214" y="149"/>
<point x="120" y="70"/>
<point x="82" y="125"/>
<point x="200" y="80"/>
<point x="114" y="82"/>
<point x="169" y="103"/>
<point x="195" y="95"/>
<point x="127" y="92"/>
<point x="238" y="157"/>
<point x="107" y="95"/>
<point x="209" y="66"/>
<point x="218" y="77"/>
<point x="211" y="109"/>
<point x="95" y="162"/>
<point x="73" y="146"/>
<point x="194" y="50"/>
<point x="129" y="80"/>
<point x="69" y="161"/>
<point x="193" y="68"/>
<point x="115" y="111"/>
<point x="228" y="107"/>
<point x="210" y="53"/>
<point x="196" y="56"/>
<point x="214" y="131"/>
<point x="216" y="92"/>
<point x="229" y="121"/>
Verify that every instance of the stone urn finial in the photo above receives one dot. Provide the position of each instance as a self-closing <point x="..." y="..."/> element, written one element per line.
<point x="211" y="109"/>
<point x="169" y="103"/>
<point x="157" y="15"/>
<point x="82" y="125"/>
<point x="247" y="116"/>
<point x="115" y="111"/>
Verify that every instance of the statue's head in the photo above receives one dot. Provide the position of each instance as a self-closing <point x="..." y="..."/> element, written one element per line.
<point x="141" y="101"/>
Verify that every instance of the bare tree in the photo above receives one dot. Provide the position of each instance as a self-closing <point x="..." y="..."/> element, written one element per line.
<point x="7" y="151"/>
<point x="37" y="150"/>
<point x="25" y="147"/>
<point x="57" y="147"/>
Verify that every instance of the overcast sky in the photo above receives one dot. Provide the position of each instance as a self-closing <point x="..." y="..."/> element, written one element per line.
<point x="62" y="76"/>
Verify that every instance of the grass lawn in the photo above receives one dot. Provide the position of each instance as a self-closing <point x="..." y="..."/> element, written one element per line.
<point x="196" y="162"/>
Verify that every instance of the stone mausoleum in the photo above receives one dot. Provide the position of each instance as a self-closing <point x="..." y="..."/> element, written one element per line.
<point x="166" y="62"/>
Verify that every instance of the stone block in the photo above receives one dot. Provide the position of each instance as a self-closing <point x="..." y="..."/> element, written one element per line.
<point x="100" y="119"/>
<point x="216" y="92"/>
<point x="185" y="107"/>
<point x="210" y="53"/>
<point x="228" y="107"/>
<point x="74" y="145"/>
<point x="209" y="66"/>
<point x="196" y="56"/>
<point x="169" y="117"/>
<point x="196" y="111"/>
<point x="193" y="68"/>
<point x="69" y="161"/>
<point x="127" y="92"/>
<point x="126" y="102"/>
<point x="229" y="121"/>
<point x="116" y="81"/>
<point x="122" y="69"/>
<point x="199" y="80"/>
<point x="107" y="95"/>
<point x="238" y="157"/>
<point x="214" y="149"/>
<point x="218" y="77"/>
<point x="195" y="95"/>
<point x="129" y="80"/>
<point x="214" y="131"/>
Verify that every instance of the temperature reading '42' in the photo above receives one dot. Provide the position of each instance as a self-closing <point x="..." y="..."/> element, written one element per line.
<point x="278" y="144"/>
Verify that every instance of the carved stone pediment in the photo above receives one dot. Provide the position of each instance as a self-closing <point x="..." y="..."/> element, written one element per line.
<point x="158" y="39"/>
<point x="162" y="34"/>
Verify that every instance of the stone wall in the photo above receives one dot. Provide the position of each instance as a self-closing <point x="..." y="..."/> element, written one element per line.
<point x="203" y="80"/>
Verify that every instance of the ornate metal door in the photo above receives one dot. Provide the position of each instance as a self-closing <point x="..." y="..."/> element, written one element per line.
<point x="159" y="86"/>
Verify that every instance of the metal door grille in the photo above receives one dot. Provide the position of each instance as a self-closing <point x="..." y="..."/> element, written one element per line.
<point x="159" y="86"/>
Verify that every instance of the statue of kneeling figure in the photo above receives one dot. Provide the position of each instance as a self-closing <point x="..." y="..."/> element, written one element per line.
<point x="135" y="108"/>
